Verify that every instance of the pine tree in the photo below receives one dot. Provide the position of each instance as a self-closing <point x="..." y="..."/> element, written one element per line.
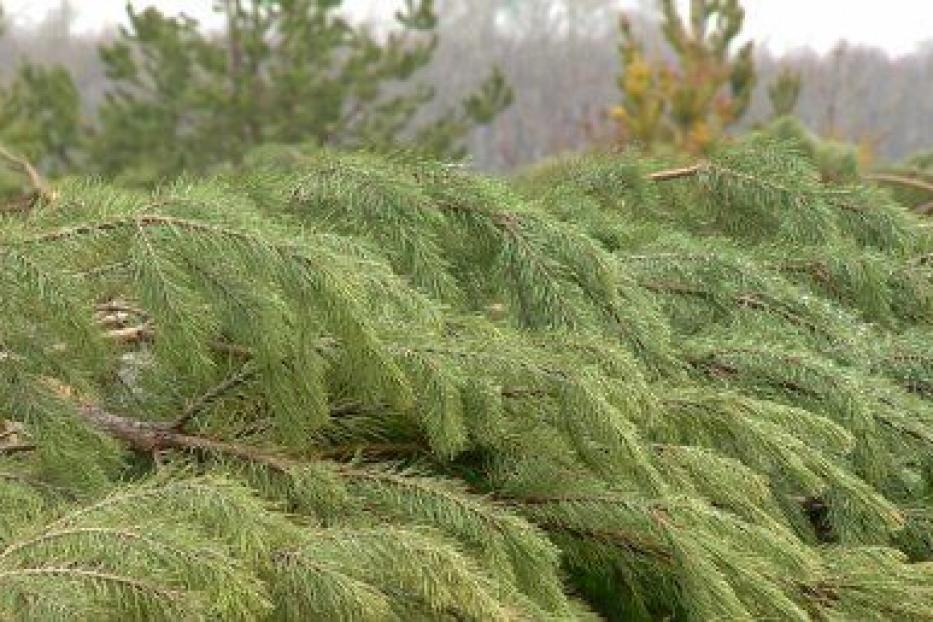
<point x="784" y="92"/>
<point x="41" y="117"/>
<point x="286" y="71"/>
<point x="350" y="386"/>
<point x="709" y="89"/>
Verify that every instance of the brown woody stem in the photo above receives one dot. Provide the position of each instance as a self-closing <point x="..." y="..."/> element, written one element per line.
<point x="677" y="173"/>
<point x="900" y="180"/>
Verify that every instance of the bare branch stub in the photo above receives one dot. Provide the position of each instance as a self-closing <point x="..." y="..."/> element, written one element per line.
<point x="40" y="189"/>
<point x="677" y="173"/>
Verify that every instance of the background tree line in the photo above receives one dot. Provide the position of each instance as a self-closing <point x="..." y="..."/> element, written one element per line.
<point x="182" y="98"/>
<point x="562" y="62"/>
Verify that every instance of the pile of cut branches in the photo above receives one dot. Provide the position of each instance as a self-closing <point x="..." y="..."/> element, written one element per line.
<point x="348" y="387"/>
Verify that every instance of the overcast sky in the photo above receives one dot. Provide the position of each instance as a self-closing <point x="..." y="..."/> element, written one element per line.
<point x="897" y="26"/>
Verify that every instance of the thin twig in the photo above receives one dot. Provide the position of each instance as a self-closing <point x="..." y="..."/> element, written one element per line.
<point x="346" y="452"/>
<point x="197" y="406"/>
<point x="72" y="572"/>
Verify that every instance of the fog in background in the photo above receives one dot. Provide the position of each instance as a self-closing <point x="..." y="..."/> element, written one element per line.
<point x="560" y="56"/>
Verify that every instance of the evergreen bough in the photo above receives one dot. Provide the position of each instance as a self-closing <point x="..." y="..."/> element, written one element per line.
<point x="357" y="387"/>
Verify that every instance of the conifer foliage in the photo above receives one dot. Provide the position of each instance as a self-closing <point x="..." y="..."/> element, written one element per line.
<point x="350" y="387"/>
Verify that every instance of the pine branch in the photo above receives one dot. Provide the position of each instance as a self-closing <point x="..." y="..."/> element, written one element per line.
<point x="85" y="574"/>
<point x="71" y="532"/>
<point x="140" y="221"/>
<point x="36" y="483"/>
<point x="149" y="437"/>
<point x="750" y="300"/>
<point x="627" y="541"/>
<point x="387" y="450"/>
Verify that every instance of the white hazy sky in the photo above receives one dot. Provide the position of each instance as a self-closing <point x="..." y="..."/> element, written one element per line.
<point x="897" y="26"/>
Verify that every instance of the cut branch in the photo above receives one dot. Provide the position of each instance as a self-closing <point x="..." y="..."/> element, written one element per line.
<point x="677" y="173"/>
<point x="900" y="180"/>
<point x="132" y="334"/>
<point x="40" y="188"/>
<point x="115" y="306"/>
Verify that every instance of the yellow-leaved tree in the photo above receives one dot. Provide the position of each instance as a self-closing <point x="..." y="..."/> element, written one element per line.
<point x="691" y="101"/>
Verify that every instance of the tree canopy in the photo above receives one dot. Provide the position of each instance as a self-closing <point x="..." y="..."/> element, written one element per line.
<point x="369" y="387"/>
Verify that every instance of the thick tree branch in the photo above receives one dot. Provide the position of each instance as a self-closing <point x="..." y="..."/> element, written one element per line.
<point x="151" y="437"/>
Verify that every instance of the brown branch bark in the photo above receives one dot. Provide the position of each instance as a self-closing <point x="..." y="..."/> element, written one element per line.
<point x="16" y="448"/>
<point x="901" y="180"/>
<point x="677" y="173"/>
<point x="151" y="437"/>
<point x="132" y="334"/>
